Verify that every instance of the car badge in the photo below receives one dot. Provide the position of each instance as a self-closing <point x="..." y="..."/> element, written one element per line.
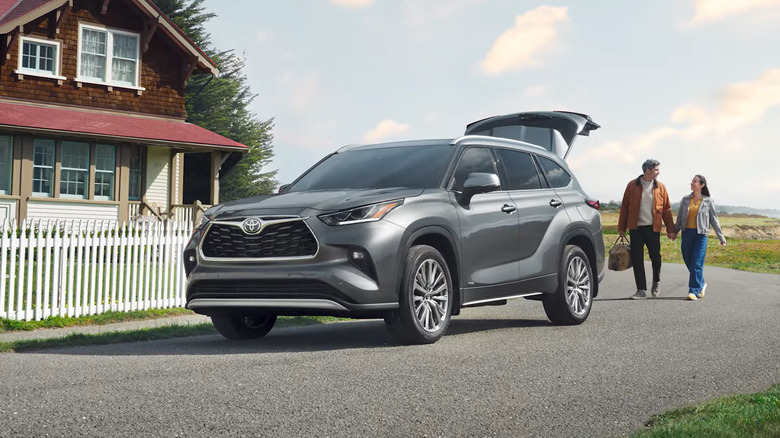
<point x="252" y="225"/>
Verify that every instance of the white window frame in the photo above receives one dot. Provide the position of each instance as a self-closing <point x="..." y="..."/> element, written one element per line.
<point x="84" y="171"/>
<point x="98" y="171"/>
<point x="51" y="168"/>
<point x="110" y="32"/>
<point x="35" y="72"/>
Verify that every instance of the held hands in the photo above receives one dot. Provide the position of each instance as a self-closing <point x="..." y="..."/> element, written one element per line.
<point x="671" y="235"/>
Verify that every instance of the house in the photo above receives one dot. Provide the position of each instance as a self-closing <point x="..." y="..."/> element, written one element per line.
<point x="92" y="113"/>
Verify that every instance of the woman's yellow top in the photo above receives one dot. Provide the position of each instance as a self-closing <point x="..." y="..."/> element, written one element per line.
<point x="693" y="211"/>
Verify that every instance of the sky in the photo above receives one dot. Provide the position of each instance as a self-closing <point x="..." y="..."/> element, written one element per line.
<point x="694" y="84"/>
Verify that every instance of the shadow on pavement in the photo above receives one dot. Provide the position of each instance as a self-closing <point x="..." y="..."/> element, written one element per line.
<point x="324" y="337"/>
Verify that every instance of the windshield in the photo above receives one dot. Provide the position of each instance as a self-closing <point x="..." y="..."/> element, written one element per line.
<point x="418" y="167"/>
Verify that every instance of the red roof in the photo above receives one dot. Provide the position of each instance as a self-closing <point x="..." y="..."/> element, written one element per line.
<point x="110" y="127"/>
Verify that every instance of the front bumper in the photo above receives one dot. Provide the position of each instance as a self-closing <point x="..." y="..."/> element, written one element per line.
<point x="329" y="283"/>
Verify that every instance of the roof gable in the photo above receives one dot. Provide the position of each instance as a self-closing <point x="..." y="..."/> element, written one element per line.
<point x="15" y="13"/>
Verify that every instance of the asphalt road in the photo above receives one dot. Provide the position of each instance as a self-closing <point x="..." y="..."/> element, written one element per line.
<point x="501" y="371"/>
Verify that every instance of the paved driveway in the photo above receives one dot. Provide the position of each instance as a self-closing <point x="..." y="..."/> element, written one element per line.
<point x="501" y="371"/>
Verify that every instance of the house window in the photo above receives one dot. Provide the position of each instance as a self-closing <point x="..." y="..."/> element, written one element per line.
<point x="105" y="164"/>
<point x="136" y="173"/>
<point x="39" y="57"/>
<point x="43" y="167"/>
<point x="108" y="56"/>
<point x="74" y="172"/>
<point x="6" y="145"/>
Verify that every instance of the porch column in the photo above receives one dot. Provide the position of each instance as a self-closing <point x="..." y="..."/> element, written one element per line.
<point x="25" y="174"/>
<point x="216" y="164"/>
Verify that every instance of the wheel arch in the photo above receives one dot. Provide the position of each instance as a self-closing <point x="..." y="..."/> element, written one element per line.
<point x="584" y="241"/>
<point x="442" y="240"/>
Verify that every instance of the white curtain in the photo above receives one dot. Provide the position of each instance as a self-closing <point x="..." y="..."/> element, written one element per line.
<point x="93" y="54"/>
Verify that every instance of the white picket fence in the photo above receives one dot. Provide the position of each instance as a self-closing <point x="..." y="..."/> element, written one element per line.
<point x="75" y="268"/>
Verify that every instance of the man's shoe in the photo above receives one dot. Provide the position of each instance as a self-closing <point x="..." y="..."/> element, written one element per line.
<point x="692" y="297"/>
<point x="703" y="288"/>
<point x="656" y="289"/>
<point x="639" y="295"/>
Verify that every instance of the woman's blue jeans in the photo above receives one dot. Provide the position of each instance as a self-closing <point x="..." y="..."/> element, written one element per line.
<point x="694" y="250"/>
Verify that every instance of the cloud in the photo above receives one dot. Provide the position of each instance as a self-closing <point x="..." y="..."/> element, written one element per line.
<point x="306" y="93"/>
<point x="711" y="136"/>
<point x="385" y="129"/>
<point x="352" y="3"/>
<point x="713" y="10"/>
<point x="533" y="34"/>
<point x="421" y="12"/>
<point x="535" y="91"/>
<point x="262" y="36"/>
<point x="739" y="105"/>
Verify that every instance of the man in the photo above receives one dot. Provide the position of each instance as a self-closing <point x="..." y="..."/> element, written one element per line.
<point x="645" y="205"/>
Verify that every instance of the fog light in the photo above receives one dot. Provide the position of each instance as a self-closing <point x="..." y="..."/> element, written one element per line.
<point x="192" y="259"/>
<point x="360" y="258"/>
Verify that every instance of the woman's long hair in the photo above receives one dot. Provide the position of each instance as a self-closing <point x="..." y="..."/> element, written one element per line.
<point x="705" y="191"/>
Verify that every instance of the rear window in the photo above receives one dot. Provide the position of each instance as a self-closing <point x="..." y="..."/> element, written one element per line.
<point x="417" y="167"/>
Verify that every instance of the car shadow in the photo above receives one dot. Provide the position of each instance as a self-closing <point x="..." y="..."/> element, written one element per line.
<point x="646" y="299"/>
<point x="366" y="334"/>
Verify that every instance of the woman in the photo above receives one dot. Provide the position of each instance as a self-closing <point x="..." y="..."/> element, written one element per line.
<point x="696" y="214"/>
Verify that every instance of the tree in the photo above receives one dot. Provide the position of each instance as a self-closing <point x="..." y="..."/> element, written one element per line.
<point x="221" y="104"/>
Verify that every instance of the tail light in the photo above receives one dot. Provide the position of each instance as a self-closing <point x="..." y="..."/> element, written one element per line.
<point x="593" y="203"/>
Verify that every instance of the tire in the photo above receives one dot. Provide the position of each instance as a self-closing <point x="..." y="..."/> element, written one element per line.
<point x="243" y="327"/>
<point x="425" y="298"/>
<point x="571" y="303"/>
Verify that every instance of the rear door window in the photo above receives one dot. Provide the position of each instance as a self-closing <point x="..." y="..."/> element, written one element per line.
<point x="556" y="175"/>
<point x="520" y="170"/>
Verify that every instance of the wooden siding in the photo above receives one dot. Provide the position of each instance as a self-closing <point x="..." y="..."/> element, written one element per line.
<point x="70" y="211"/>
<point x="161" y="75"/>
<point x="7" y="210"/>
<point x="157" y="176"/>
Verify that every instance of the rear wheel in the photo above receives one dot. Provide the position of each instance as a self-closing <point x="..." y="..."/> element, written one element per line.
<point x="571" y="303"/>
<point x="242" y="327"/>
<point x="425" y="298"/>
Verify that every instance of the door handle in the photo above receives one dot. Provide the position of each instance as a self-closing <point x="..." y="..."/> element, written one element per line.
<point x="508" y="208"/>
<point x="555" y="203"/>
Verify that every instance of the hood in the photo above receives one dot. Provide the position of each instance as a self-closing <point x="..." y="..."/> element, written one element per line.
<point x="553" y="130"/>
<point x="296" y="203"/>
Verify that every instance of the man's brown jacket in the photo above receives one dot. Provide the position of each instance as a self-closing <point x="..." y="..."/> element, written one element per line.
<point x="629" y="209"/>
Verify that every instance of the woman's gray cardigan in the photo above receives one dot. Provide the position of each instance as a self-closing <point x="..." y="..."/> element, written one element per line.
<point x="705" y="217"/>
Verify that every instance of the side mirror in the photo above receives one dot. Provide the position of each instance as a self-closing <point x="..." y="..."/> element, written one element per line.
<point x="477" y="183"/>
<point x="283" y="188"/>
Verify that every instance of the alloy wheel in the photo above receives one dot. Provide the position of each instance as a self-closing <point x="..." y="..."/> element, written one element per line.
<point x="578" y="286"/>
<point x="431" y="295"/>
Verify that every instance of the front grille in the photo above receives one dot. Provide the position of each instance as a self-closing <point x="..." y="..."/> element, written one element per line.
<point x="269" y="289"/>
<point x="286" y="239"/>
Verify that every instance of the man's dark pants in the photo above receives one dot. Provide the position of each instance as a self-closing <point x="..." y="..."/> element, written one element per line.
<point x="641" y="237"/>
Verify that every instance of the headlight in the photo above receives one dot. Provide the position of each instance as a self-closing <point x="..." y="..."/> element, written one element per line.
<point x="205" y="218"/>
<point x="366" y="213"/>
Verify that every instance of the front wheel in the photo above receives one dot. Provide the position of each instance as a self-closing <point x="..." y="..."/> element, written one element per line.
<point x="571" y="303"/>
<point x="425" y="298"/>
<point x="243" y="327"/>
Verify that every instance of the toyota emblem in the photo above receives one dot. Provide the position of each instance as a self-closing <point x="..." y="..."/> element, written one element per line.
<point x="252" y="225"/>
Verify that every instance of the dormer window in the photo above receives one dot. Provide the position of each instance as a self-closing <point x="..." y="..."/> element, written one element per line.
<point x="39" y="57"/>
<point x="108" y="56"/>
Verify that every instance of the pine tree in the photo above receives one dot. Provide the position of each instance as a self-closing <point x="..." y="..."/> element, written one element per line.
<point x="221" y="104"/>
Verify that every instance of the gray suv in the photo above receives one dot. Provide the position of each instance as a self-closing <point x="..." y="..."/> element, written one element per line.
<point x="411" y="232"/>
